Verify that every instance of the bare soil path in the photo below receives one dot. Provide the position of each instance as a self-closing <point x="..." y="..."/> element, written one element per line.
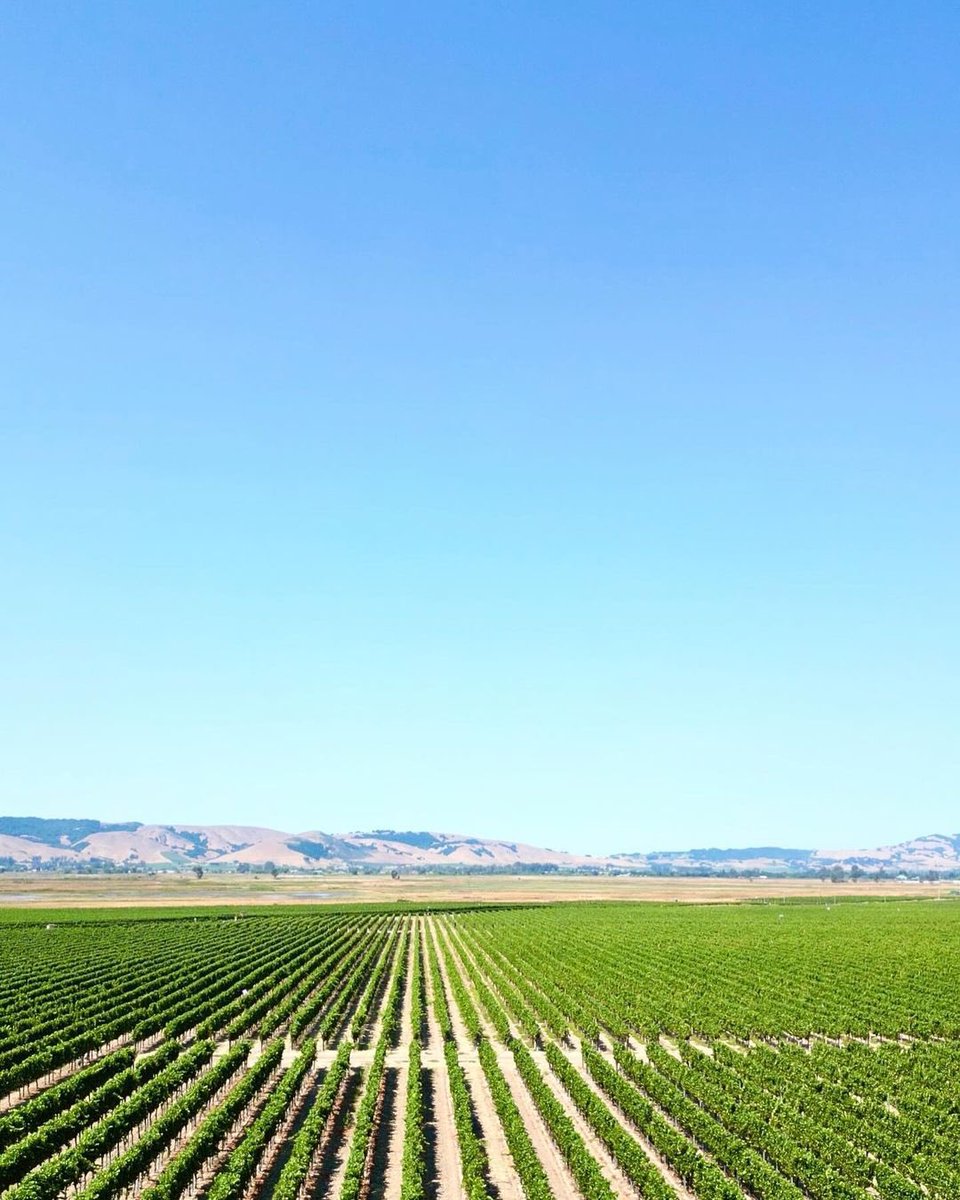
<point x="503" y="1174"/>
<point x="575" y="1056"/>
<point x="558" y="1173"/>
<point x="398" y="1063"/>
<point x="129" y="1140"/>
<point x="448" y="1184"/>
<point x="339" y="1152"/>
<point x="573" y="1052"/>
<point x="206" y="1172"/>
<point x="620" y="1183"/>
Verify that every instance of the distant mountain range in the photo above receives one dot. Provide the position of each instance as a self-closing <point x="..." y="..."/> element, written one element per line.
<point x="45" y="843"/>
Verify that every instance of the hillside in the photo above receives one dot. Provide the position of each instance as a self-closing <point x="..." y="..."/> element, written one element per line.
<point x="39" y="842"/>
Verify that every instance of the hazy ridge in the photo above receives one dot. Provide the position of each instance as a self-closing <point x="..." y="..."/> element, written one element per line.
<point x="36" y="841"/>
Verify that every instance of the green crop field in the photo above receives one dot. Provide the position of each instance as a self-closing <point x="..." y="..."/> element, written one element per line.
<point x="595" y="1050"/>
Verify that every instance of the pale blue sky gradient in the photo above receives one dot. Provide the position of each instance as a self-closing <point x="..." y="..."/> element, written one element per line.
<point x="537" y="421"/>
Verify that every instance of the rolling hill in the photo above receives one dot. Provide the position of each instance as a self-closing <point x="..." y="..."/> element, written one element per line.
<point x="43" y="843"/>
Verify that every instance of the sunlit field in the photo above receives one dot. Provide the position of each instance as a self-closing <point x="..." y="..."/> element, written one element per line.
<point x="797" y="1049"/>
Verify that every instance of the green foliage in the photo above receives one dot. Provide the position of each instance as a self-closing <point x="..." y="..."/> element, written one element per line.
<point x="625" y="1149"/>
<point x="305" y="1143"/>
<point x="590" y="1179"/>
<point x="473" y="1155"/>
<point x="413" y="1184"/>
<point x="65" y="1168"/>
<point x="180" y="1170"/>
<point x="232" y="1179"/>
<point x="52" y="831"/>
<point x="781" y="1072"/>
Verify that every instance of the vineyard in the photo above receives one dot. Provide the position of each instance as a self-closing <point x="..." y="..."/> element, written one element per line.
<point x="764" y="1051"/>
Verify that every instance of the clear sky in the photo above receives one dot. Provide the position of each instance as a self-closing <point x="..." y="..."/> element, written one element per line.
<point x="535" y="420"/>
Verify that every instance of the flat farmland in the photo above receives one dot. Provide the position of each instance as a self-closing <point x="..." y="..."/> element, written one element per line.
<point x="593" y="1050"/>
<point x="122" y="891"/>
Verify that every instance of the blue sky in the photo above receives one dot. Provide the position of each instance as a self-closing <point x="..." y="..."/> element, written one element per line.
<point x="537" y="421"/>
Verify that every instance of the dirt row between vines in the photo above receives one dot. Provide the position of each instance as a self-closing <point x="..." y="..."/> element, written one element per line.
<point x="546" y="1149"/>
<point x="385" y="1160"/>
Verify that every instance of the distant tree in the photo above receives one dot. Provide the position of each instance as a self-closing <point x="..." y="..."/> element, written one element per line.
<point x="243" y="868"/>
<point x="856" y="873"/>
<point x="932" y="876"/>
<point x="394" y="874"/>
<point x="198" y="871"/>
<point x="838" y="875"/>
<point x="271" y="868"/>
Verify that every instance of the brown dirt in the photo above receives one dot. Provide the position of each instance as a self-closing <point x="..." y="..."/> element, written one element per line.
<point x="503" y="1174"/>
<point x="616" y="1178"/>
<point x="449" y="1185"/>
<point x="670" y="1176"/>
<point x="340" y="1151"/>
<point x="394" y="1166"/>
<point x="558" y="1173"/>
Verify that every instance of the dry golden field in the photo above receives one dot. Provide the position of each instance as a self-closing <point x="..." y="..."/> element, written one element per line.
<point x="43" y="890"/>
